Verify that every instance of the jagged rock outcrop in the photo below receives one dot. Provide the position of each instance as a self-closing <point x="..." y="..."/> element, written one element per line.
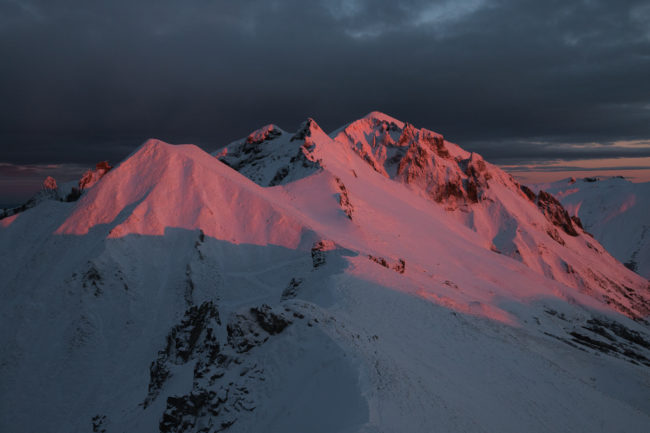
<point x="266" y="133"/>
<point x="194" y="338"/>
<point x="66" y="192"/>
<point x="49" y="183"/>
<point x="251" y="150"/>
<point x="555" y="212"/>
<point x="269" y="156"/>
<point x="213" y="404"/>
<point x="306" y="131"/>
<point x="418" y="157"/>
<point x="91" y="177"/>
<point x="428" y="164"/>
<point x="319" y="252"/>
<point x="344" y="198"/>
<point x="398" y="265"/>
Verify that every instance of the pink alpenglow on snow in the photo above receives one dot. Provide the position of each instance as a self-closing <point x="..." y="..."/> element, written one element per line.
<point x="378" y="186"/>
<point x="397" y="280"/>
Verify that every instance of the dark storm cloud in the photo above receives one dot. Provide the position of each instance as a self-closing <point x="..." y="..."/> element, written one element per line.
<point x="88" y="80"/>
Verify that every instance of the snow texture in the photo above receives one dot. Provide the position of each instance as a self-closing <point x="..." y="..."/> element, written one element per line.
<point x="377" y="279"/>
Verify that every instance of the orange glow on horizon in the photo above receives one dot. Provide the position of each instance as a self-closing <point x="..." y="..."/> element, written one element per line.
<point x="633" y="169"/>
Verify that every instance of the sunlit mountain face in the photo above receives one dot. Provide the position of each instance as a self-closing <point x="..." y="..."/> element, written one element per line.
<point x="614" y="210"/>
<point x="374" y="278"/>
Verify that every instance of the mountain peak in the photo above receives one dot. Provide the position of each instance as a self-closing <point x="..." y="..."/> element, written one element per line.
<point x="265" y="133"/>
<point x="269" y="156"/>
<point x="308" y="129"/>
<point x="164" y="186"/>
<point x="378" y="116"/>
<point x="204" y="297"/>
<point x="151" y="145"/>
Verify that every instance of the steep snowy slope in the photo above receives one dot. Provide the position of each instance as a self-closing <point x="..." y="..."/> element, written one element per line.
<point x="162" y="187"/>
<point x="374" y="292"/>
<point x="504" y="215"/>
<point x="615" y="211"/>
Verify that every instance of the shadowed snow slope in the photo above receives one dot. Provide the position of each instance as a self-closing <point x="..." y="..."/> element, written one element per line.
<point x="376" y="279"/>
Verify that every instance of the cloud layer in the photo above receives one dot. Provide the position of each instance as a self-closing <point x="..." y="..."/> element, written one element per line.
<point x="88" y="80"/>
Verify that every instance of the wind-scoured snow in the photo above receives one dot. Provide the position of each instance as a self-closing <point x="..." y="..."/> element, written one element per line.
<point x="376" y="279"/>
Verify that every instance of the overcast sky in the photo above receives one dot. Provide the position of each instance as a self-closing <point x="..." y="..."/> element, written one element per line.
<point x="517" y="80"/>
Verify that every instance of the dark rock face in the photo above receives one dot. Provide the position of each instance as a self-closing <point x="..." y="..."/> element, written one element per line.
<point x="555" y="212"/>
<point x="472" y="190"/>
<point x="344" y="199"/>
<point x="224" y="378"/>
<point x="99" y="424"/>
<point x="452" y="189"/>
<point x="201" y="411"/>
<point x="195" y="334"/>
<point x="266" y="152"/>
<point x="379" y="260"/>
<point x="399" y="266"/>
<point x="93" y="279"/>
<point x="244" y="334"/>
<point x="279" y="176"/>
<point x="632" y="265"/>
<point x="193" y="338"/>
<point x="302" y="159"/>
<point x="247" y="331"/>
<point x="268" y="320"/>
<point x="305" y="130"/>
<point x="385" y="125"/>
<point x="268" y="133"/>
<point x="477" y="177"/>
<point x="576" y="220"/>
<point x="291" y="291"/>
<point x="181" y="412"/>
<point x="605" y="336"/>
<point x="74" y="195"/>
<point x="249" y="153"/>
<point x="555" y="235"/>
<point x="528" y="193"/>
<point x="319" y="252"/>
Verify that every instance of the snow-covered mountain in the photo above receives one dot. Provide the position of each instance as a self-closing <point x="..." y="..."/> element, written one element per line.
<point x="615" y="210"/>
<point x="376" y="279"/>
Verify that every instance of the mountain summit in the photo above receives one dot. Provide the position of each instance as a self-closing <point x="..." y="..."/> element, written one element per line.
<point x="506" y="217"/>
<point x="378" y="278"/>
